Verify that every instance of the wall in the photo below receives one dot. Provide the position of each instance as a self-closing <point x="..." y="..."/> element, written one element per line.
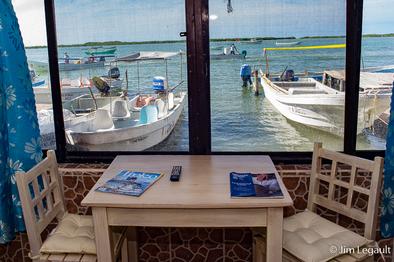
<point x="180" y="245"/>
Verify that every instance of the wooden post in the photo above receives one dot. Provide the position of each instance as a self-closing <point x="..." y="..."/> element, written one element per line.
<point x="256" y="83"/>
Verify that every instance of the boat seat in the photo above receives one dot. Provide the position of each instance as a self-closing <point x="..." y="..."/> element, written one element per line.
<point x="120" y="110"/>
<point x="161" y="108"/>
<point x="102" y="120"/>
<point x="170" y="101"/>
<point x="148" y="114"/>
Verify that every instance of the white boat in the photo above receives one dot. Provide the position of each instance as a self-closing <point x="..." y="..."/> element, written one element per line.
<point x="228" y="55"/>
<point x="70" y="89"/>
<point x="93" y="61"/>
<point x="253" y="41"/>
<point x="288" y="43"/>
<point x="321" y="105"/>
<point x="73" y="88"/>
<point x="80" y="65"/>
<point x="124" y="122"/>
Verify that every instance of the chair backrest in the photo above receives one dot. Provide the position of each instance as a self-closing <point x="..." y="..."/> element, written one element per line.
<point x="120" y="109"/>
<point x="41" y="194"/>
<point x="171" y="103"/>
<point x="339" y="194"/>
<point x="161" y="108"/>
<point x="102" y="120"/>
<point x="148" y="114"/>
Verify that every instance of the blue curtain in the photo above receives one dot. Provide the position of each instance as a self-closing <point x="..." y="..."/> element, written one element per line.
<point x="387" y="217"/>
<point x="20" y="143"/>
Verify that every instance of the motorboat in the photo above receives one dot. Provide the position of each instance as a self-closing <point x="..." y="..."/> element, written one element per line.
<point x="71" y="64"/>
<point x="125" y="122"/>
<point x="294" y="43"/>
<point x="228" y="55"/>
<point x="98" y="51"/>
<point x="73" y="88"/>
<point x="321" y="105"/>
<point x="141" y="121"/>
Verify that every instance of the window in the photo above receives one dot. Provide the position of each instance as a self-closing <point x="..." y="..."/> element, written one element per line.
<point x="123" y="75"/>
<point x="292" y="46"/>
<point x="377" y="75"/>
<point x="241" y="121"/>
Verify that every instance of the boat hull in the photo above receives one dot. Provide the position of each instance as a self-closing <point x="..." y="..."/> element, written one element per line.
<point x="324" y="112"/>
<point x="225" y="57"/>
<point x="82" y="66"/>
<point x="138" y="138"/>
<point x="43" y="95"/>
<point x="284" y="44"/>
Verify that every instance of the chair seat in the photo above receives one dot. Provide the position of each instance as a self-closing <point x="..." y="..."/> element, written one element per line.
<point x="310" y="237"/>
<point x="74" y="235"/>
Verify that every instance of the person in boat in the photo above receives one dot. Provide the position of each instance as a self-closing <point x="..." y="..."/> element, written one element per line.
<point x="233" y="49"/>
<point x="246" y="75"/>
<point x="144" y="100"/>
<point x="66" y="58"/>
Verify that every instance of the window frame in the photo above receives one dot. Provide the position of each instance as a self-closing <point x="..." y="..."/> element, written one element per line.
<point x="198" y="70"/>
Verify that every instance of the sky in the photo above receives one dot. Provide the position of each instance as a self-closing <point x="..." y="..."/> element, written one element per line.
<point x="80" y="21"/>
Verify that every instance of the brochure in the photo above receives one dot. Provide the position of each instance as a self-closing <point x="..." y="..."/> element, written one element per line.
<point x="254" y="185"/>
<point x="129" y="183"/>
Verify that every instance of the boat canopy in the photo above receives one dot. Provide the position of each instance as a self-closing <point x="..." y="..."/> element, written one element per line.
<point x="305" y="47"/>
<point x="146" y="56"/>
<point x="368" y="80"/>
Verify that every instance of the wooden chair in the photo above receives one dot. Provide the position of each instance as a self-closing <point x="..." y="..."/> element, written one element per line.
<point x="310" y="237"/>
<point x="42" y="199"/>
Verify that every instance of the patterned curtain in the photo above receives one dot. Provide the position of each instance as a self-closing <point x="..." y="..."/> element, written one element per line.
<point x="20" y="141"/>
<point x="387" y="218"/>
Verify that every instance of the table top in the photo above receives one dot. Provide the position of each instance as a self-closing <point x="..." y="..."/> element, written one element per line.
<point x="204" y="182"/>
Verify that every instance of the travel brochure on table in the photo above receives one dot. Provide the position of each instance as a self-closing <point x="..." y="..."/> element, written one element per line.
<point x="129" y="183"/>
<point x="254" y="185"/>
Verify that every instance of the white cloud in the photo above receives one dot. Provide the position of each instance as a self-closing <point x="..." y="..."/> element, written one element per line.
<point x="31" y="18"/>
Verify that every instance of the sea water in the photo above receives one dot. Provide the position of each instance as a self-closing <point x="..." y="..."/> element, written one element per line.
<point x="241" y="121"/>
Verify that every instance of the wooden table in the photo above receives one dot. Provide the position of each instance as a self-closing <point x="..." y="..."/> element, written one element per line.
<point x="200" y="199"/>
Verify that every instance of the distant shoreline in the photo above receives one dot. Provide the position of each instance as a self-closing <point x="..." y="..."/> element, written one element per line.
<point x="118" y="43"/>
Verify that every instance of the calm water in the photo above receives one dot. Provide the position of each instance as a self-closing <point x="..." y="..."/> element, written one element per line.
<point x="240" y="120"/>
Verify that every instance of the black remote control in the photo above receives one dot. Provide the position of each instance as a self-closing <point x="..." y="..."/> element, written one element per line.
<point x="176" y="173"/>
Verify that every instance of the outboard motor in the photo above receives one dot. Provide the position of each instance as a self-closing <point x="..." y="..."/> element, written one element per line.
<point x="101" y="85"/>
<point x="114" y="73"/>
<point x="159" y="83"/>
<point x="288" y="76"/>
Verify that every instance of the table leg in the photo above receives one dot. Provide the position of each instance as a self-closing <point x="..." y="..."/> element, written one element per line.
<point x="103" y="235"/>
<point x="132" y="244"/>
<point x="274" y="234"/>
<point x="259" y="244"/>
